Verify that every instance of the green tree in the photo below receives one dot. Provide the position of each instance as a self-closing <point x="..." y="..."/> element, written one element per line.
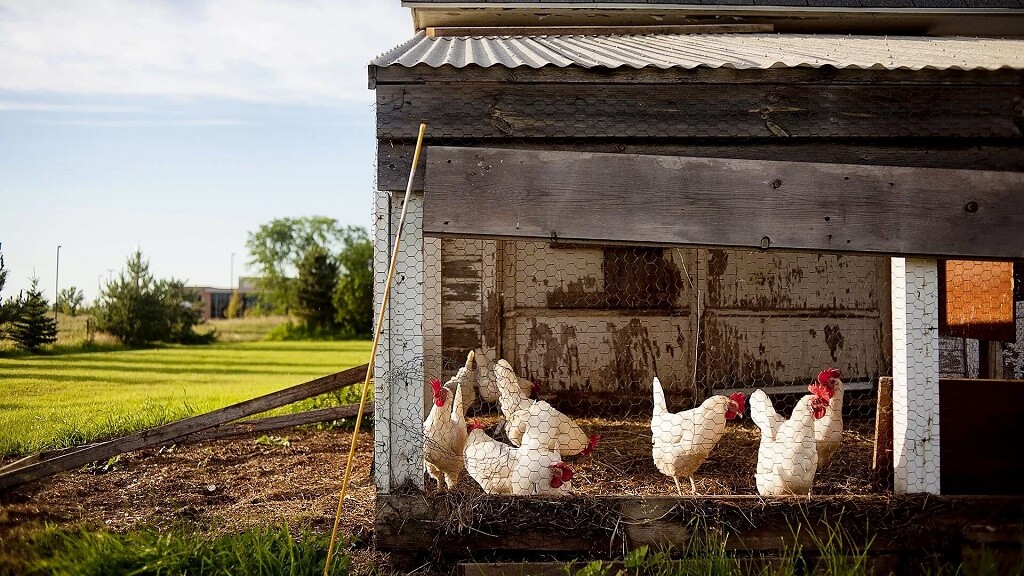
<point x="182" y="307"/>
<point x="34" y="325"/>
<point x="277" y="248"/>
<point x="234" y="308"/>
<point x="138" y="309"/>
<point x="318" y="277"/>
<point x="353" y="297"/>
<point x="70" y="300"/>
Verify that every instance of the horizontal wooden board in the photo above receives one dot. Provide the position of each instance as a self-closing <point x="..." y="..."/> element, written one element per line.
<point x="394" y="158"/>
<point x="608" y="352"/>
<point x="666" y="200"/>
<point x="755" y="351"/>
<point x="462" y="524"/>
<point x="701" y="111"/>
<point x="979" y="427"/>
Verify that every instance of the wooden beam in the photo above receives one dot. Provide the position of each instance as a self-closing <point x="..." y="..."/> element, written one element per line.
<point x="394" y="158"/>
<point x="767" y="110"/>
<point x="175" y="430"/>
<point x="456" y="31"/>
<point x="621" y="198"/>
<point x="462" y="524"/>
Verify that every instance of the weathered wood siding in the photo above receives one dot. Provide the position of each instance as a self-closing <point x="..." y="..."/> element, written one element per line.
<point x="775" y="317"/>
<point x="586" y="318"/>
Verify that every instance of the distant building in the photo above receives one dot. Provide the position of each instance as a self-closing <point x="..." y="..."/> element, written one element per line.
<point x="215" y="300"/>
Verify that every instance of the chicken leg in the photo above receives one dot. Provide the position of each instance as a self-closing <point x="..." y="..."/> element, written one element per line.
<point x="693" y="487"/>
<point x="678" y="489"/>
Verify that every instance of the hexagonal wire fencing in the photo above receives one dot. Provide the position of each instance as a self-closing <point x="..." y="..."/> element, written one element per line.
<point x="626" y="370"/>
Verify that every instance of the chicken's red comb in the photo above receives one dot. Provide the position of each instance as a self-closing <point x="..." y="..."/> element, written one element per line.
<point x="591" y="444"/>
<point x="741" y="399"/>
<point x="826" y="375"/>
<point x="435" y="384"/>
<point x="475" y="425"/>
<point x="823" y="391"/>
<point x="567" y="472"/>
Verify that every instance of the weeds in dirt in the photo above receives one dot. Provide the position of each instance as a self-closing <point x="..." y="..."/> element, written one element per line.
<point x="258" y="552"/>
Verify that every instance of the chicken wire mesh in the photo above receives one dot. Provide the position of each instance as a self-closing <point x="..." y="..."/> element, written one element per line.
<point x="567" y="342"/>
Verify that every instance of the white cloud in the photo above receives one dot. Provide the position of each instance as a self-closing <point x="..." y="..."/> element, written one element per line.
<point x="303" y="51"/>
<point x="22" y="106"/>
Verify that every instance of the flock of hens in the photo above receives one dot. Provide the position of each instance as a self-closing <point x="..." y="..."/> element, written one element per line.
<point x="790" y="452"/>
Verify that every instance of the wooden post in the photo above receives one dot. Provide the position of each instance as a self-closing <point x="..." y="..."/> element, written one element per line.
<point x="398" y="366"/>
<point x="915" y="392"/>
<point x="881" y="464"/>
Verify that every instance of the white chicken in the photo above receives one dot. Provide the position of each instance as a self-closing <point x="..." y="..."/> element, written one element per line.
<point x="828" y="430"/>
<point x="489" y="387"/>
<point x="444" y="430"/>
<point x="787" y="457"/>
<point x="683" y="440"/>
<point x="537" y="422"/>
<point x="524" y="471"/>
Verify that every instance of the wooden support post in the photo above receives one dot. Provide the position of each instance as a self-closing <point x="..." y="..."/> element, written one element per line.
<point x="398" y="367"/>
<point x="881" y="464"/>
<point x="915" y="392"/>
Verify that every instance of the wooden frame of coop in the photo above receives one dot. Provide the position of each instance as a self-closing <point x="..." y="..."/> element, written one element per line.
<point x="903" y="162"/>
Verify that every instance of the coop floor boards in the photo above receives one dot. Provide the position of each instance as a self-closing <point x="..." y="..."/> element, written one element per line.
<point x="464" y="525"/>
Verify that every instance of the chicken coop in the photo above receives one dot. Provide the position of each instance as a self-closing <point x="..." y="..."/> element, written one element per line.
<point x="729" y="205"/>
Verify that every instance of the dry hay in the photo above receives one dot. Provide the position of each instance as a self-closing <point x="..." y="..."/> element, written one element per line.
<point x="622" y="463"/>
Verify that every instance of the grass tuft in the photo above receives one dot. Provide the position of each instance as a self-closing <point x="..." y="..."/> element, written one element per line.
<point x="258" y="552"/>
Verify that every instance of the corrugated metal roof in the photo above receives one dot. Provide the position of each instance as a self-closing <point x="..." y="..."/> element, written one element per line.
<point x="742" y="51"/>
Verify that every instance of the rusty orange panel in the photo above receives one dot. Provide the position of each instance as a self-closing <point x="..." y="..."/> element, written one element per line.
<point x="977" y="301"/>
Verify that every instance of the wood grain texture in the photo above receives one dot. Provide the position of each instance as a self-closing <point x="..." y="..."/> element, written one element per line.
<point x="174" y="430"/>
<point x="721" y="202"/>
<point x="980" y="450"/>
<point x="468" y="110"/>
<point x="458" y="525"/>
<point x="394" y="159"/>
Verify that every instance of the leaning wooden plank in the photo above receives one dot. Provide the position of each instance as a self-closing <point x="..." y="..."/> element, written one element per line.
<point x="21" y="463"/>
<point x="685" y="201"/>
<point x="228" y="430"/>
<point x="278" y="422"/>
<point x="175" y="430"/>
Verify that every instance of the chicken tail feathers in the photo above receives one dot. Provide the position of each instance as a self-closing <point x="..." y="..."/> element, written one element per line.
<point x="660" y="407"/>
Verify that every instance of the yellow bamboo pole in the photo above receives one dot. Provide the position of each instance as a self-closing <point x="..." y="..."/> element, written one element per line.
<point x="373" y="349"/>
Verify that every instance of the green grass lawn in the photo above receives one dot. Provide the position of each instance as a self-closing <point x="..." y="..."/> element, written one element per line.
<point x="58" y="400"/>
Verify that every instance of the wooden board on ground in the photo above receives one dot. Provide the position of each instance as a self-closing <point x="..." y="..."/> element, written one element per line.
<point x="175" y="430"/>
<point x="574" y="196"/>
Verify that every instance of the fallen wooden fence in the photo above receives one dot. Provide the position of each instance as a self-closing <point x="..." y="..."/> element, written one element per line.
<point x="215" y="424"/>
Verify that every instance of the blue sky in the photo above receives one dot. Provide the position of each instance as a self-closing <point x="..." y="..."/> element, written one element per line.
<point x="179" y="127"/>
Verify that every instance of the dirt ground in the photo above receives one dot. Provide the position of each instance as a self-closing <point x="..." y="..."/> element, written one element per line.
<point x="234" y="484"/>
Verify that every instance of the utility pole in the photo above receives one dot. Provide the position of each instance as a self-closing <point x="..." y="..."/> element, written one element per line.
<point x="231" y="282"/>
<point x="56" y="285"/>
